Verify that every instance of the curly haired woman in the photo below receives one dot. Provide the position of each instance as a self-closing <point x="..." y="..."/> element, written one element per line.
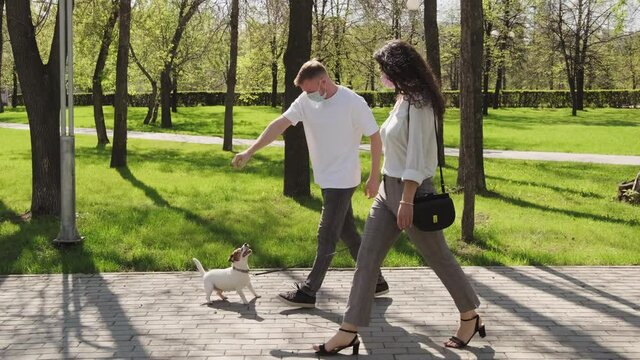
<point x="410" y="161"/>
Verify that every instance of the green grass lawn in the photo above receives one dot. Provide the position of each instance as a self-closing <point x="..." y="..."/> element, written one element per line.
<point x="177" y="201"/>
<point x="597" y="131"/>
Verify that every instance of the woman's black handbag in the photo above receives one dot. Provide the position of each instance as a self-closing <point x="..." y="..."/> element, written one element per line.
<point x="433" y="212"/>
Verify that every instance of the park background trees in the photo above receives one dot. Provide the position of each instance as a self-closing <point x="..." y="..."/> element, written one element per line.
<point x="197" y="45"/>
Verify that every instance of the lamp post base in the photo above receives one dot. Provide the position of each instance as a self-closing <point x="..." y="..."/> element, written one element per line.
<point x="68" y="232"/>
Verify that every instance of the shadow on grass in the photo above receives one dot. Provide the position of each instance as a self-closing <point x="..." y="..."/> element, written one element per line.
<point x="576" y="214"/>
<point x="160" y="201"/>
<point x="176" y="160"/>
<point x="557" y="189"/>
<point x="13" y="244"/>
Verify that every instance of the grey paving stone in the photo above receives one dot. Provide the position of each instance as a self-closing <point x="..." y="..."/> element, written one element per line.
<point x="530" y="313"/>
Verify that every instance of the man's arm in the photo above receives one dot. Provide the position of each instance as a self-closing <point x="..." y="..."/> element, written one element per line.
<point x="373" y="183"/>
<point x="269" y="135"/>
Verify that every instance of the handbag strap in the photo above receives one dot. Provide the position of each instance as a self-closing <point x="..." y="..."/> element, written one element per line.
<point x="435" y="126"/>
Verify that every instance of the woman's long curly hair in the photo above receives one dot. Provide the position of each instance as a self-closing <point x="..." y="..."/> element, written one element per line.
<point x="410" y="74"/>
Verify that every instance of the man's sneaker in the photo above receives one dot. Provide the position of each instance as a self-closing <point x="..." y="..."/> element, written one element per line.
<point x="382" y="289"/>
<point x="297" y="298"/>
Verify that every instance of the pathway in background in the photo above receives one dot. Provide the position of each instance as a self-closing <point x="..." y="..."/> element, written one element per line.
<point x="497" y="154"/>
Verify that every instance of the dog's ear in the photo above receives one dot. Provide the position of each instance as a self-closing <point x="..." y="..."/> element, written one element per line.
<point x="235" y="255"/>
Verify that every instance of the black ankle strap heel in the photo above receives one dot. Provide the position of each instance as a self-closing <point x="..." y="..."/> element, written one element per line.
<point x="458" y="343"/>
<point x="355" y="344"/>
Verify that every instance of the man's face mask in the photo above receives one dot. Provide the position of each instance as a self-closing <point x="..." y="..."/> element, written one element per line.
<point x="318" y="96"/>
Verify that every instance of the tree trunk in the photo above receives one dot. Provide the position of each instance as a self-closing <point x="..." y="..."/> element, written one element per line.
<point x="119" y="151"/>
<point x="1" y="52"/>
<point x="274" y="84"/>
<point x="296" y="153"/>
<point x="165" y="97"/>
<point x="432" y="44"/>
<point x="14" y="92"/>
<point x="580" y="86"/>
<point x="432" y="37"/>
<point x="487" y="69"/>
<point x="174" y="93"/>
<point x="231" y="79"/>
<point x="454" y="72"/>
<point x="41" y="94"/>
<point x="152" y="103"/>
<point x="396" y="13"/>
<point x="372" y="81"/>
<point x="166" y="85"/>
<point x="470" y="107"/>
<point x="496" y="93"/>
<point x="98" y="114"/>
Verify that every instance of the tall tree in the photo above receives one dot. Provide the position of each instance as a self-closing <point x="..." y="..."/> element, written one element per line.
<point x="488" y="28"/>
<point x="119" y="151"/>
<point x="577" y="28"/>
<point x="231" y="78"/>
<point x="186" y="12"/>
<point x="432" y="44"/>
<point x="107" y="37"/>
<point x="14" y="87"/>
<point x="1" y="50"/>
<point x="296" y="153"/>
<point x="152" y="101"/>
<point x="470" y="107"/>
<point x="276" y="18"/>
<point x="40" y="89"/>
<point x="508" y="15"/>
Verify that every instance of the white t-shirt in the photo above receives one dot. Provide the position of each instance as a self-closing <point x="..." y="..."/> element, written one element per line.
<point x="334" y="130"/>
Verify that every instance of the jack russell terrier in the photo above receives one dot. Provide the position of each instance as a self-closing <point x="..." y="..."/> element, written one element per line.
<point x="235" y="277"/>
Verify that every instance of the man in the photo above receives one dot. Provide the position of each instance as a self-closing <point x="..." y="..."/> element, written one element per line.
<point x="334" y="118"/>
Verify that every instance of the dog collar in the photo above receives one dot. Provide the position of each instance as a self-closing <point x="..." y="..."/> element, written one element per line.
<point x="241" y="270"/>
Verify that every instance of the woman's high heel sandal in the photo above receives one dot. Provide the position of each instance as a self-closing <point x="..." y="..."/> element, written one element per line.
<point x="478" y="329"/>
<point x="355" y="343"/>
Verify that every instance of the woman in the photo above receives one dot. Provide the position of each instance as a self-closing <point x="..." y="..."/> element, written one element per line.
<point x="410" y="161"/>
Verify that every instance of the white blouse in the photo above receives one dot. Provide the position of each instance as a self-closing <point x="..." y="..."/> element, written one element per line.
<point x="410" y="152"/>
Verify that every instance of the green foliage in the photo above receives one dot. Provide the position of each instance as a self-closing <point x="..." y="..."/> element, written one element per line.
<point x="509" y="98"/>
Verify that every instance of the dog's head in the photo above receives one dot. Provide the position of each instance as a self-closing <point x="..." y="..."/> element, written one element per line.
<point x="241" y="253"/>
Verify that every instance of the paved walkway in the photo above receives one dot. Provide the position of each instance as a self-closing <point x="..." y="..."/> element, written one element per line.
<point x="530" y="313"/>
<point x="496" y="154"/>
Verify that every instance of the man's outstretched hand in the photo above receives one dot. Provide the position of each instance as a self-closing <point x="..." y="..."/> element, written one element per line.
<point x="240" y="160"/>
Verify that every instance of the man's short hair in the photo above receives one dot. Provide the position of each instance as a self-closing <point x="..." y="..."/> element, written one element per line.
<point x="309" y="70"/>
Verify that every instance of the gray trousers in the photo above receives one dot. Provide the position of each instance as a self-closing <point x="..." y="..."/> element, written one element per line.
<point x="380" y="233"/>
<point x="336" y="222"/>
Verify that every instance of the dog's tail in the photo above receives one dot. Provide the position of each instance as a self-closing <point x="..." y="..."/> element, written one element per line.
<point x="199" y="266"/>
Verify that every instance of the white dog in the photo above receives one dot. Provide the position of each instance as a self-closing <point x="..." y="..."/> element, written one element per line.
<point x="234" y="278"/>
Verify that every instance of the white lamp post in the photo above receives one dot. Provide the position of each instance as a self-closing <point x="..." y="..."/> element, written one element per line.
<point x="68" y="232"/>
<point x="413" y="4"/>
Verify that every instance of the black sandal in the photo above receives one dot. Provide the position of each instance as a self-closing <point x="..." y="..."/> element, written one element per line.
<point x="355" y="343"/>
<point x="459" y="344"/>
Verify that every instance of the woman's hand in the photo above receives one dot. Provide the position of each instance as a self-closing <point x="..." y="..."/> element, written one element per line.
<point x="405" y="215"/>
